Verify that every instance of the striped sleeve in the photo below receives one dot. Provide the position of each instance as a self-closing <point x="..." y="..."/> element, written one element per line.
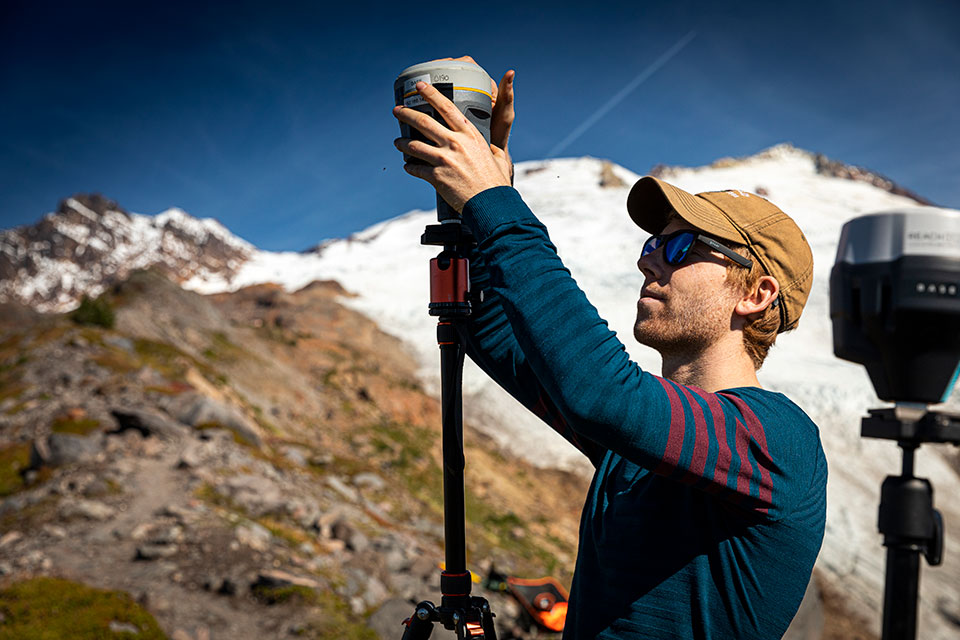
<point x="714" y="441"/>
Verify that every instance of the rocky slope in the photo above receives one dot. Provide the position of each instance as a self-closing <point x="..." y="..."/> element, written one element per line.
<point x="255" y="464"/>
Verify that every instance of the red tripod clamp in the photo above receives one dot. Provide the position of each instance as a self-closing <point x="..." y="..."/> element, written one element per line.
<point x="450" y="271"/>
<point x="449" y="285"/>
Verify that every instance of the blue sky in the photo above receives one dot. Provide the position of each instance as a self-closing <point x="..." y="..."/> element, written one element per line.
<point x="275" y="118"/>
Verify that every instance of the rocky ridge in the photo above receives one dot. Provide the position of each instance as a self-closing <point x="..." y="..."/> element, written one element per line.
<point x="90" y="241"/>
<point x="822" y="165"/>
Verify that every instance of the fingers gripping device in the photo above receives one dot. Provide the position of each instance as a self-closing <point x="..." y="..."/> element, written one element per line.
<point x="465" y="84"/>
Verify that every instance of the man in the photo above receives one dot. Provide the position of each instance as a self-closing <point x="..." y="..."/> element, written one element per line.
<point x="707" y="507"/>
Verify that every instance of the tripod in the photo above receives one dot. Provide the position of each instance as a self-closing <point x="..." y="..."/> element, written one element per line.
<point x="469" y="616"/>
<point x="909" y="523"/>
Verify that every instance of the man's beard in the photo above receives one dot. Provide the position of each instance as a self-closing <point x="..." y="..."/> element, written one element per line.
<point x="685" y="331"/>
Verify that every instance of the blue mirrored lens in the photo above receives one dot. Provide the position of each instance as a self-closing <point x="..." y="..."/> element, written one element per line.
<point x="678" y="246"/>
<point x="650" y="245"/>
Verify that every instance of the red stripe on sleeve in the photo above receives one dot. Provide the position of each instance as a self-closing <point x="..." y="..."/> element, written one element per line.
<point x="755" y="429"/>
<point x="701" y="442"/>
<point x="741" y="438"/>
<point x="721" y="469"/>
<point x="671" y="455"/>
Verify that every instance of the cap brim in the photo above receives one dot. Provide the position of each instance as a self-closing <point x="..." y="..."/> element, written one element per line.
<point x="651" y="201"/>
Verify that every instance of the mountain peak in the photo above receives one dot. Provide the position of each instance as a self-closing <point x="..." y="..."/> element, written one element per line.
<point x="92" y="206"/>
<point x="800" y="161"/>
<point x="91" y="241"/>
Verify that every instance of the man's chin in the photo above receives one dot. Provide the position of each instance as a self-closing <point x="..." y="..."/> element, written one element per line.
<point x="661" y="339"/>
<point x="643" y="334"/>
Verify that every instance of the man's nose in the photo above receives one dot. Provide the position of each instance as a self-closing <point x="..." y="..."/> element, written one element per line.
<point x="651" y="265"/>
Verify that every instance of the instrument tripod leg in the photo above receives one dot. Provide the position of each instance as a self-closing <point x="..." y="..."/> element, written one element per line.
<point x="420" y="624"/>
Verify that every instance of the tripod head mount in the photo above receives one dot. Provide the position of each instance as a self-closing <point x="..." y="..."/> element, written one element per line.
<point x="450" y="295"/>
<point x="912" y="425"/>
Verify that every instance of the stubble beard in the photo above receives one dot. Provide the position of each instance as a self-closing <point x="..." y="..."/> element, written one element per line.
<point x="681" y="331"/>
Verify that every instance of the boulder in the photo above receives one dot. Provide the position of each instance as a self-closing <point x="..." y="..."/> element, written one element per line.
<point x="10" y="538"/>
<point x="387" y="621"/>
<point x="370" y="481"/>
<point x="39" y="453"/>
<point x="343" y="489"/>
<point x="275" y="578"/>
<point x="296" y="455"/>
<point x="155" y="551"/>
<point x="87" y="509"/>
<point x="124" y="627"/>
<point x="67" y="448"/>
<point x="257" y="495"/>
<point x="375" y="593"/>
<point x="355" y="540"/>
<point x="201" y="411"/>
<point x="254" y="535"/>
<point x="149" y="423"/>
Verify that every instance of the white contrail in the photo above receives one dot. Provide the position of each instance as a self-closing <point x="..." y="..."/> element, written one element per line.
<point x="615" y="100"/>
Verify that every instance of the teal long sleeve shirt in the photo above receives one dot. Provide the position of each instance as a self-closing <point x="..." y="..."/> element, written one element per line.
<point x="706" y="511"/>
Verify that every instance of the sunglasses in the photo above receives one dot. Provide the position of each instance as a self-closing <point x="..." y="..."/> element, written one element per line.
<point x="676" y="247"/>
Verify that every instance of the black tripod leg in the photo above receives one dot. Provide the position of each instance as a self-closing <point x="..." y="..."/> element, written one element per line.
<point x="486" y="621"/>
<point x="901" y="593"/>
<point x="420" y="624"/>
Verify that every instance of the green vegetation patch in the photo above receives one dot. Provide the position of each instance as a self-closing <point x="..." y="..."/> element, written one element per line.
<point x="407" y="451"/>
<point x="32" y="516"/>
<point x="292" y="535"/>
<point x="489" y="528"/>
<point x="277" y="334"/>
<point x="11" y="390"/>
<point x="51" y="608"/>
<point x="209" y="494"/>
<point x="221" y="349"/>
<point x="262" y="420"/>
<point x="165" y="358"/>
<point x="291" y="593"/>
<point x="12" y="362"/>
<point x="14" y="459"/>
<point x="335" y="621"/>
<point x="117" y="361"/>
<point x="9" y="344"/>
<point x="171" y="389"/>
<point x="76" y="426"/>
<point x="93" y="335"/>
<point x="94" y="312"/>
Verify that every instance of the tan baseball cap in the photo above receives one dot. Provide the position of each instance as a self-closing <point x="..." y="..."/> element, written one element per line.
<point x="772" y="237"/>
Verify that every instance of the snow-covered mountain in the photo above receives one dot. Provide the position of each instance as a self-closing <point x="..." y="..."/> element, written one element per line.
<point x="582" y="201"/>
<point x="90" y="241"/>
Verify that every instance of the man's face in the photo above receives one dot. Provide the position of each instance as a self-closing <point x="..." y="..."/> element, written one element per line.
<point x="684" y="308"/>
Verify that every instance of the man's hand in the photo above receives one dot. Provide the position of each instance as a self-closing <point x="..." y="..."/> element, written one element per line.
<point x="461" y="164"/>
<point x="503" y="114"/>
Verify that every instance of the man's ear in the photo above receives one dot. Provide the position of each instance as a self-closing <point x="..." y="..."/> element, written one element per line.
<point x="764" y="293"/>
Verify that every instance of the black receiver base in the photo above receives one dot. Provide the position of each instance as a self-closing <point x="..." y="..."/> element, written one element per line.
<point x="909" y="523"/>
